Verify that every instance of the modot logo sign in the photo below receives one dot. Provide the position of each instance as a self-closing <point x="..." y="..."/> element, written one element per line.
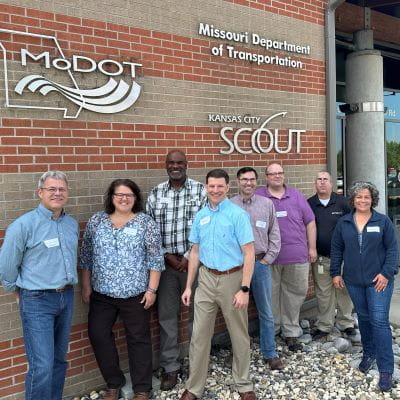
<point x="37" y="75"/>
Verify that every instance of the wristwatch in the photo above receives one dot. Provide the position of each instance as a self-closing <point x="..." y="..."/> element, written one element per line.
<point x="244" y="289"/>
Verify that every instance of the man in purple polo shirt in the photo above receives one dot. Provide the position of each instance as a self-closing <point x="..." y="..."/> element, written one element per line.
<point x="290" y="270"/>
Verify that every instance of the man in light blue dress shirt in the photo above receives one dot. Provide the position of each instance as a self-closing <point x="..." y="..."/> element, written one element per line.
<point x="38" y="262"/>
<point x="223" y="244"/>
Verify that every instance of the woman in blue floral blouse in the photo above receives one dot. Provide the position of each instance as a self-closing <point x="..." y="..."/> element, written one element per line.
<point x="121" y="261"/>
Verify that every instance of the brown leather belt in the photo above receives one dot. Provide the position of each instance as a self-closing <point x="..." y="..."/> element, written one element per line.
<point x="229" y="271"/>
<point x="260" y="256"/>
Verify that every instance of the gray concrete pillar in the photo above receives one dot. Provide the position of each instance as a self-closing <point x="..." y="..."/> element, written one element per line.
<point x="365" y="139"/>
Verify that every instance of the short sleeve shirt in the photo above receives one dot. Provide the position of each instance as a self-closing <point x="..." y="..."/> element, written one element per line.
<point x="220" y="233"/>
<point x="294" y="214"/>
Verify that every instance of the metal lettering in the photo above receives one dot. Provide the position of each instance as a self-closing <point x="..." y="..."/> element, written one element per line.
<point x="271" y="138"/>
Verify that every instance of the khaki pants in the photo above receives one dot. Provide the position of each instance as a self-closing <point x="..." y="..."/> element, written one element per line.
<point x="289" y="289"/>
<point x="214" y="292"/>
<point x="329" y="299"/>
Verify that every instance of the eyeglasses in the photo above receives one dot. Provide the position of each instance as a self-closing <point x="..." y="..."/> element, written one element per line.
<point x="122" y="195"/>
<point x="247" y="180"/>
<point x="275" y="173"/>
<point x="53" y="190"/>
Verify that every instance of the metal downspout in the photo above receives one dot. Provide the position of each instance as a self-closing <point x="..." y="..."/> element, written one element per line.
<point x="331" y="87"/>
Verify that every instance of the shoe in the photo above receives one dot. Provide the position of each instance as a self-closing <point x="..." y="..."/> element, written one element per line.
<point x="293" y="344"/>
<point x="141" y="396"/>
<point x="228" y="361"/>
<point x="366" y="364"/>
<point x="248" y="396"/>
<point x="274" y="363"/>
<point x="318" y="334"/>
<point x="350" y="332"/>
<point x="169" y="380"/>
<point x="112" y="394"/>
<point x="186" y="395"/>
<point x="385" y="381"/>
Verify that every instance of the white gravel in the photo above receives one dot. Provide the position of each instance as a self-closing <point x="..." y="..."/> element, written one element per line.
<point x="324" y="370"/>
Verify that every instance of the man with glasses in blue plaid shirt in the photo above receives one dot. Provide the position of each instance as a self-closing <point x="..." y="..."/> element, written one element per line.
<point x="173" y="204"/>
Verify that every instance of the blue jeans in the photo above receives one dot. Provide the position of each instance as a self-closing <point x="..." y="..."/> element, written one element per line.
<point x="372" y="308"/>
<point x="46" y="321"/>
<point x="261" y="288"/>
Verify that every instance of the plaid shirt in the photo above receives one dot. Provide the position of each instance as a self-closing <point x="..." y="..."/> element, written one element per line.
<point x="174" y="212"/>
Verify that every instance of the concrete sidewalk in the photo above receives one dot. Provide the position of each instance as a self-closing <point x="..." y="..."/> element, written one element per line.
<point x="395" y="305"/>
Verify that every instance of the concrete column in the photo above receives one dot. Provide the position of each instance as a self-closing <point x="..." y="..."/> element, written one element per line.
<point x="365" y="139"/>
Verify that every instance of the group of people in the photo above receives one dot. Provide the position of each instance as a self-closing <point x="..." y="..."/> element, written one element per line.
<point x="190" y="244"/>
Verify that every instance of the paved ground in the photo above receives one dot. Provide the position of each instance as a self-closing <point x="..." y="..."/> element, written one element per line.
<point x="395" y="306"/>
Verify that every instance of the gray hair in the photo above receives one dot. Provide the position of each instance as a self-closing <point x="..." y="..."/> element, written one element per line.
<point x="52" y="174"/>
<point x="360" y="185"/>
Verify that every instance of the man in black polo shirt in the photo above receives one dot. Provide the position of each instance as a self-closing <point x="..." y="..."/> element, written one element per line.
<point x="328" y="207"/>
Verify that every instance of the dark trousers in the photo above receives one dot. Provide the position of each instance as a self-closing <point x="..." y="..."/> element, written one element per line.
<point x="103" y="312"/>
<point x="172" y="285"/>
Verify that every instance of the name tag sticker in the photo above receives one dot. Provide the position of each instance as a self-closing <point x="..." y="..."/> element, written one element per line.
<point x="51" y="243"/>
<point x="130" y="231"/>
<point x="261" y="224"/>
<point x="164" y="200"/>
<point x="205" y="220"/>
<point x="281" y="214"/>
<point x="373" y="229"/>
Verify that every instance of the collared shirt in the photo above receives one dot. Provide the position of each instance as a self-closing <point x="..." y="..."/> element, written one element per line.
<point x="220" y="232"/>
<point x="40" y="252"/>
<point x="120" y="259"/>
<point x="267" y="237"/>
<point x="174" y="211"/>
<point x="294" y="214"/>
<point x="326" y="218"/>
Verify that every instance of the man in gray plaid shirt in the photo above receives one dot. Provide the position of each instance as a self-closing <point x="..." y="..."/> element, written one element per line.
<point x="173" y="205"/>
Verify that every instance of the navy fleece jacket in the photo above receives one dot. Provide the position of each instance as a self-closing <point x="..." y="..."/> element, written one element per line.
<point x="377" y="254"/>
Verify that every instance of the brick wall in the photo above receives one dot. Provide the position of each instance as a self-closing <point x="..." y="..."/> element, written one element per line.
<point x="182" y="83"/>
<point x="350" y="18"/>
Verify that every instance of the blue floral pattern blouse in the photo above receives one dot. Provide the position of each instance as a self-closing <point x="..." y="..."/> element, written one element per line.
<point x="120" y="259"/>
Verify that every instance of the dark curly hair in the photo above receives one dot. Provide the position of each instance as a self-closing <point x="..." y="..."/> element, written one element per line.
<point x="360" y="185"/>
<point x="109" y="207"/>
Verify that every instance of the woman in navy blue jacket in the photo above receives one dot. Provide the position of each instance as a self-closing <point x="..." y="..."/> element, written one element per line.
<point x="365" y="241"/>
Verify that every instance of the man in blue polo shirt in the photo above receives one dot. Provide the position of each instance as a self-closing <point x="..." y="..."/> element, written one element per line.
<point x="223" y="243"/>
<point x="38" y="262"/>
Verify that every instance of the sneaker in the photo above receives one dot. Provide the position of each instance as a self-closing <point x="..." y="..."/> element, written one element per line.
<point x="350" y="331"/>
<point x="274" y="363"/>
<point x="385" y="381"/>
<point x="293" y="344"/>
<point x="366" y="364"/>
<point x="318" y="334"/>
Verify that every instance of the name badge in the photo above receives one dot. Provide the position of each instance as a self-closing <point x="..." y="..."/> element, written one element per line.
<point x="261" y="224"/>
<point x="130" y="231"/>
<point x="320" y="269"/>
<point x="205" y="220"/>
<point x="281" y="214"/>
<point x="164" y="200"/>
<point x="51" y="243"/>
<point x="373" y="229"/>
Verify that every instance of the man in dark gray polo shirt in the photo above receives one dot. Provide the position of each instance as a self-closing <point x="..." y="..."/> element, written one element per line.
<point x="328" y="207"/>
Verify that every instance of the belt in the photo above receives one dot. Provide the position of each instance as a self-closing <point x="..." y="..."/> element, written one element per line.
<point x="58" y="290"/>
<point x="229" y="271"/>
<point x="260" y="256"/>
